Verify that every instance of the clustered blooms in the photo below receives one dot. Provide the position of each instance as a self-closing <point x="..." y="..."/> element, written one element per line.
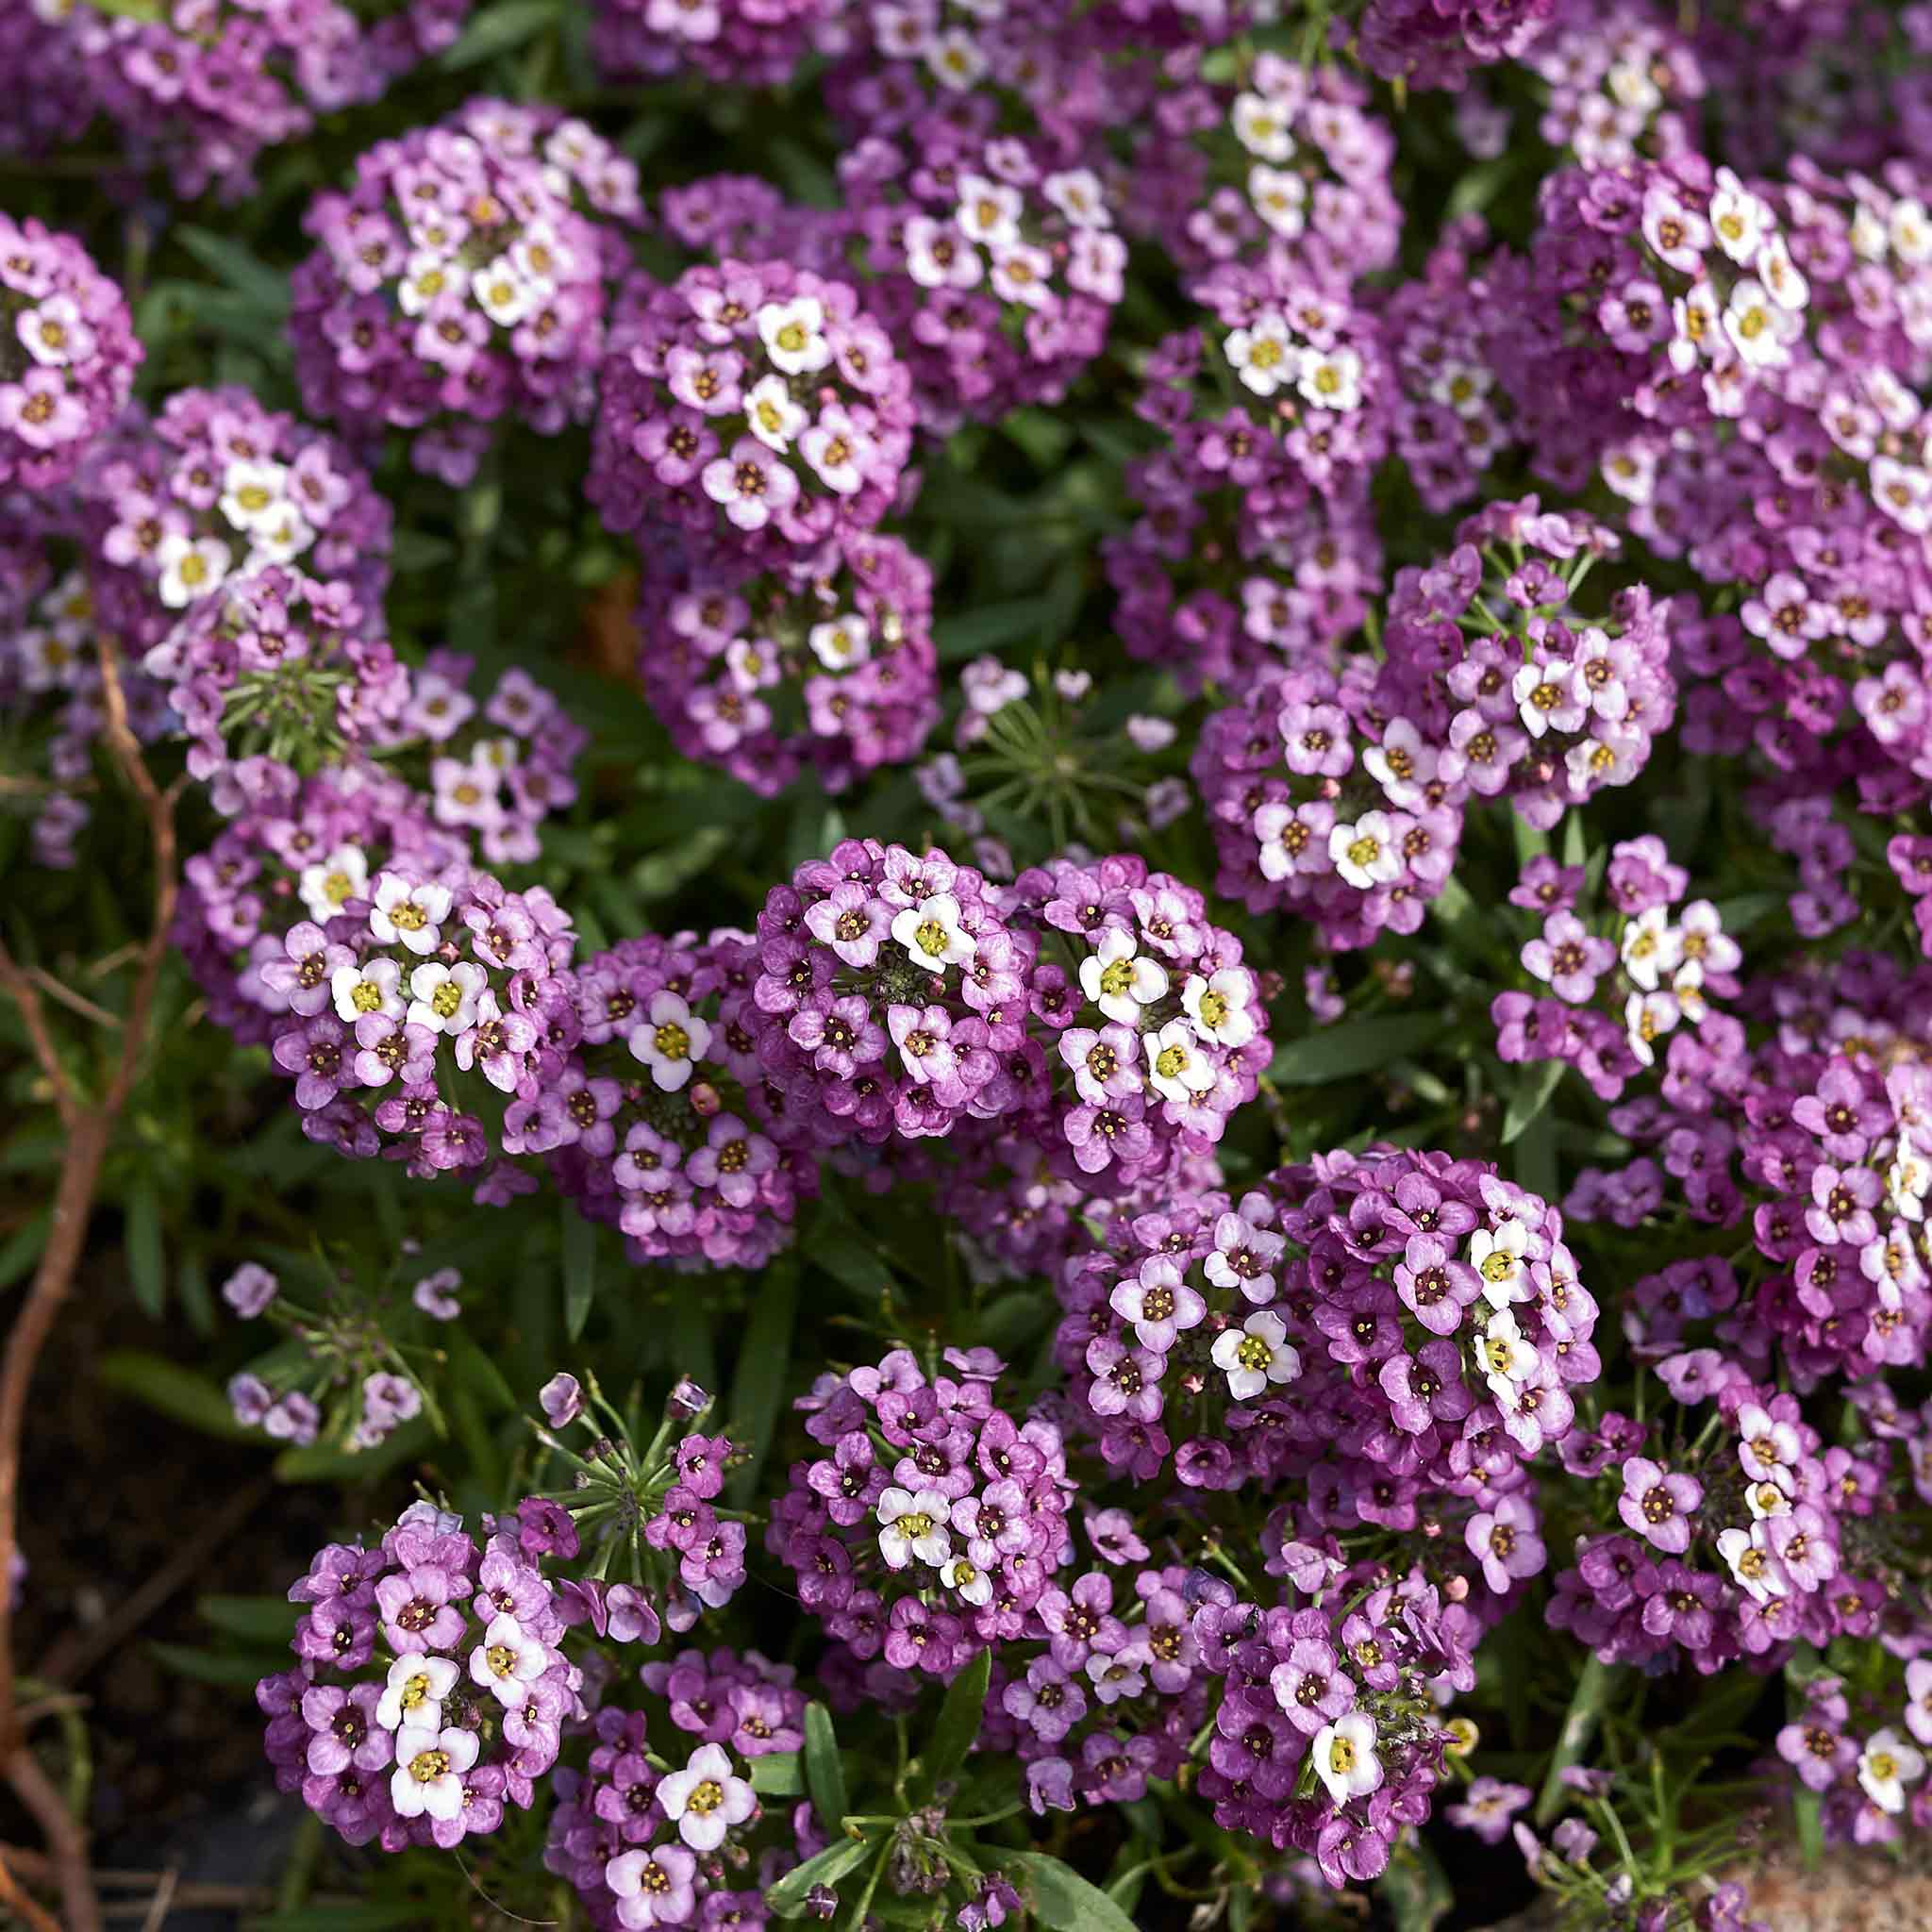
<point x="737" y="42"/>
<point x="934" y="1523"/>
<point x="203" y="90"/>
<point x="67" y="353"/>
<point x="824" y="663"/>
<point x="429" y="1694"/>
<point x="756" y="408"/>
<point x="462" y="279"/>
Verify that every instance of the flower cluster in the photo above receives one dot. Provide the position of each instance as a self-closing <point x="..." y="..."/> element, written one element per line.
<point x="463" y="278"/>
<point x="757" y="408"/>
<point x="67" y="353"/>
<point x="823" y="663"/>
<point x="736" y="43"/>
<point x="932" y="1525"/>
<point x="430" y="1694"/>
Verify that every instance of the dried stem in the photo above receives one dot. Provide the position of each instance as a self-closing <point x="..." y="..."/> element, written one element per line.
<point x="90" y="1133"/>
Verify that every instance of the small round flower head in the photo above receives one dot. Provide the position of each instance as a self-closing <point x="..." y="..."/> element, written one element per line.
<point x="203" y="93"/>
<point x="995" y="270"/>
<point x="733" y="43"/>
<point x="214" y="487"/>
<point x="756" y="408"/>
<point x="1623" y="83"/>
<point x="462" y="279"/>
<point x="1437" y="43"/>
<point x="431" y="1692"/>
<point x="67" y="353"/>
<point x="823" y="664"/>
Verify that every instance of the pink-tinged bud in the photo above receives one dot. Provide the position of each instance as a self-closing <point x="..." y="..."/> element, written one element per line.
<point x="705" y="1099"/>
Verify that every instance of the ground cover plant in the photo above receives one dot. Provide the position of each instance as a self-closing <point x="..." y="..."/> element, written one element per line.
<point x="964" y="962"/>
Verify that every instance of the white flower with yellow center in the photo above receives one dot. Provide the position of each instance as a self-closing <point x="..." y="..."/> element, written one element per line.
<point x="1757" y="1571"/>
<point x="1120" y="979"/>
<point x="1757" y="328"/>
<point x="1219" y="1006"/>
<point x="507" y="1661"/>
<point x="444" y="998"/>
<point x="1254" y="1354"/>
<point x="252" y="493"/>
<point x="326" y="885"/>
<point x="1331" y="381"/>
<point x="669" y="1041"/>
<point x="968" y="1580"/>
<point x="931" y="932"/>
<point x="793" y="334"/>
<point x="1909" y="231"/>
<point x="954" y="59"/>
<point x="1280" y="198"/>
<point x="1739" y="219"/>
<point x="771" y="416"/>
<point x="1265" y="357"/>
<point x="191" y="568"/>
<point x="1078" y="195"/>
<point x="1767" y="1499"/>
<point x="1345" y="1755"/>
<point x="1498" y="1256"/>
<point x="1648" y="1017"/>
<point x="1779" y="274"/>
<point x="1365" y="853"/>
<point x="426" y="276"/>
<point x="1653" y="948"/>
<point x="1907" y="1181"/>
<point x="1177" y="1068"/>
<point x="504" y="293"/>
<point x="841" y="643"/>
<point x="408" y="915"/>
<point x="430" y="1763"/>
<point x="1885" y="1766"/>
<point x="370" y="987"/>
<point x="988" y="212"/>
<point x="1506" y="1359"/>
<point x="1262" y="126"/>
<point x="415" y="1690"/>
<point x="913" y="1528"/>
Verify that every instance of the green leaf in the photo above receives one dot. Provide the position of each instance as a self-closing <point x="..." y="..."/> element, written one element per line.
<point x="497" y="29"/>
<point x="958" y="1719"/>
<point x="324" y="1462"/>
<point x="778" y="1774"/>
<point x="1532" y="1094"/>
<point x="787" y="1898"/>
<point x="147" y="1264"/>
<point x="260" y="1619"/>
<point x="1415" y="1888"/>
<point x="1809" y="1806"/>
<point x="239" y="267"/>
<point x="172" y="1391"/>
<point x="1355" y="1046"/>
<point x="151" y="11"/>
<point x="22" y="1249"/>
<point x="1062" y="1900"/>
<point x="990" y="626"/>
<point x="1596" y="1686"/>
<point x="825" y="1771"/>
<point x="663" y="873"/>
<point x="579" y="1269"/>
<point x="211" y="1667"/>
<point x="842" y="1252"/>
<point x="758" y="1388"/>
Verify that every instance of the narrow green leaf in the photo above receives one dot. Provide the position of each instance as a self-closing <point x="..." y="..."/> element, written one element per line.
<point x="172" y="1391"/>
<point x="244" y="272"/>
<point x="147" y="1263"/>
<point x="497" y="29"/>
<point x="845" y="1255"/>
<point x="1062" y="1900"/>
<point x="958" y="1719"/>
<point x="261" y="1618"/>
<point x="1809" y="1807"/>
<point x="1355" y="1046"/>
<point x="787" y="1898"/>
<point x="778" y="1774"/>
<point x="1415" y="1888"/>
<point x="1596" y="1686"/>
<point x="22" y="1248"/>
<point x="324" y="1462"/>
<point x="825" y="1771"/>
<point x="1532" y="1094"/>
<point x="579" y="1269"/>
<point x="990" y="626"/>
<point x="758" y="1388"/>
<point x="211" y="1667"/>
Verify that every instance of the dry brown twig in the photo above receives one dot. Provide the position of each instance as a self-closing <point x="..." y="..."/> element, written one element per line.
<point x="90" y="1133"/>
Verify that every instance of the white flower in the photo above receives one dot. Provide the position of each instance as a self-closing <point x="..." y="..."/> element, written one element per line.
<point x="1218" y="1006"/>
<point x="1910" y="232"/>
<point x="1739" y="219"/>
<point x="1907" y="1181"/>
<point x="1767" y="1499"/>
<point x="1280" y="198"/>
<point x="931" y="932"/>
<point x="1402" y="764"/>
<point x="1506" y="1358"/>
<point x="1345" y="1759"/>
<point x="1254" y="1354"/>
<point x="1262" y="126"/>
<point x="55" y="334"/>
<point x="913" y="1526"/>
<point x="673" y="1038"/>
<point x="1653" y="948"/>
<point x="444" y="998"/>
<point x="1646" y="1018"/>
<point x="413" y="1695"/>
<point x="1078" y="195"/>
<point x="939" y="257"/>
<point x="971" y="1582"/>
<point x="370" y="987"/>
<point x="1177" y="1068"/>
<point x="504" y="293"/>
<point x="190" y="567"/>
<point x="954" y="59"/>
<point x="841" y="643"/>
<point x="1498" y="1258"/>
<point x="988" y="212"/>
<point x="425" y="275"/>
<point x="705" y="1799"/>
<point x="1758" y="1573"/>
<point x="407" y="915"/>
<point x="1779" y="274"/>
<point x="1333" y="381"/>
<point x="1365" y="853"/>
<point x="280" y="538"/>
<point x="541" y="258"/>
<point x="1885" y="1766"/>
<point x="431" y="1764"/>
<point x="1264" y="357"/>
<point x="251" y="493"/>
<point x="793" y="334"/>
<point x="1903" y="493"/>
<point x="771" y="415"/>
<point x="1119" y="979"/>
<point x="327" y="884"/>
<point x="507" y="1660"/>
<point x="1694" y="324"/>
<point x="1757" y="328"/>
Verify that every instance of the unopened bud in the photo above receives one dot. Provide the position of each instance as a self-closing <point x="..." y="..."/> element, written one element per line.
<point x="705" y="1099"/>
<point x="687" y="1399"/>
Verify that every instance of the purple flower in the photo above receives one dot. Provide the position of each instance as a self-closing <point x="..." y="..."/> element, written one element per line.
<point x="1656" y="1504"/>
